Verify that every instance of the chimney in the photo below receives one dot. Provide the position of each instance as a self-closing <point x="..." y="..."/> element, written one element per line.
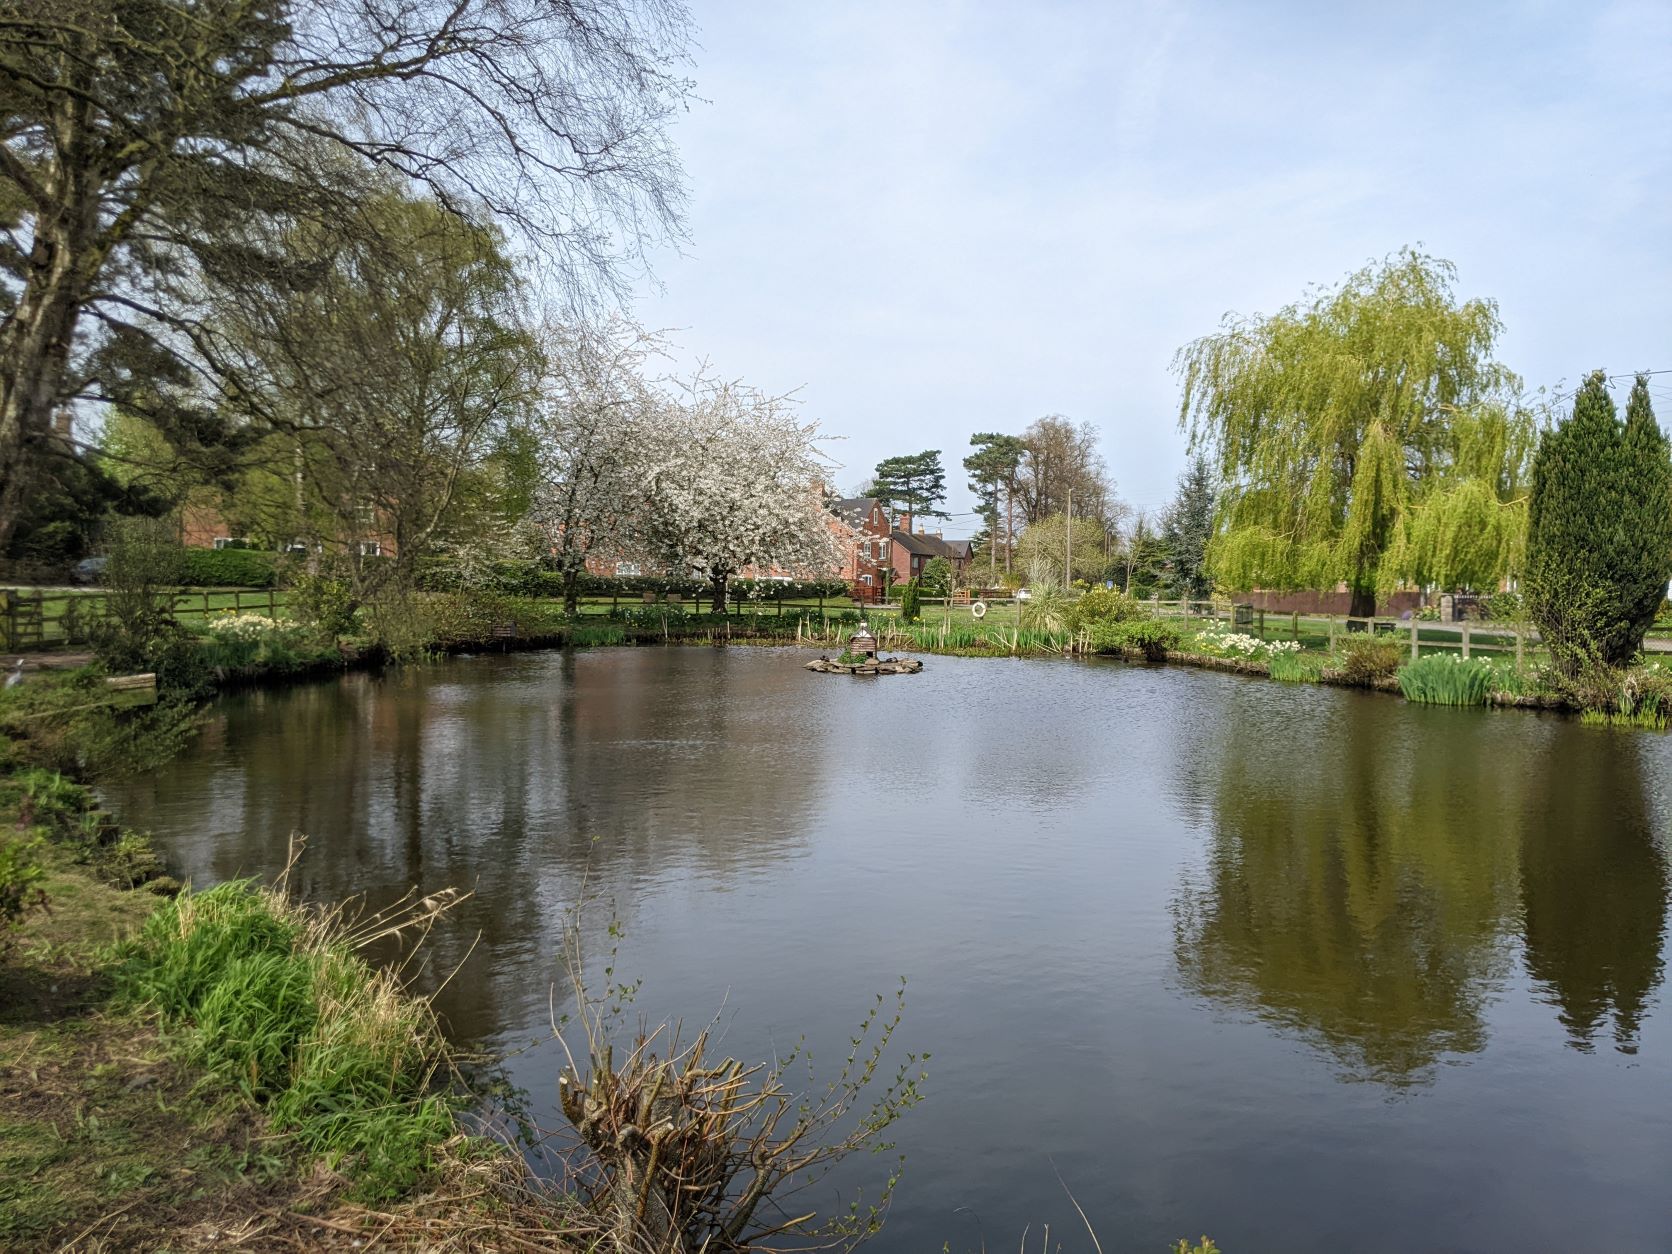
<point x="937" y="535"/>
<point x="919" y="528"/>
<point x="905" y="522"/>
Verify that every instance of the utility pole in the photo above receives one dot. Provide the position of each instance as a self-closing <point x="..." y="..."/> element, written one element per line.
<point x="1009" y="520"/>
<point x="1137" y="530"/>
<point x="1068" y="543"/>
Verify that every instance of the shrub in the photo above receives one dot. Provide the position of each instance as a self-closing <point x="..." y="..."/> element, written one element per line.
<point x="1366" y="659"/>
<point x="910" y="602"/>
<point x="323" y="600"/>
<point x="1148" y="636"/>
<point x="228" y="568"/>
<point x="1103" y="605"/>
<point x="936" y="579"/>
<point x="1503" y="607"/>
<point x="1447" y="679"/>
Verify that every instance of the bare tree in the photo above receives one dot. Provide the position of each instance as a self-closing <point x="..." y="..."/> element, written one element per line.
<point x="154" y="150"/>
<point x="1060" y="457"/>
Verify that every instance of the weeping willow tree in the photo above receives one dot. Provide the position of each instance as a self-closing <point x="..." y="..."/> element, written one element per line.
<point x="1363" y="436"/>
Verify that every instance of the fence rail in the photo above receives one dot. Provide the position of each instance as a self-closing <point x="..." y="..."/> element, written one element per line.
<point x="35" y="618"/>
<point x="1468" y="637"/>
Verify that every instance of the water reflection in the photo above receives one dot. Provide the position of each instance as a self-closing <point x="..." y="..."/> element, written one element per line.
<point x="1594" y="888"/>
<point x="520" y="778"/>
<point x="1366" y="889"/>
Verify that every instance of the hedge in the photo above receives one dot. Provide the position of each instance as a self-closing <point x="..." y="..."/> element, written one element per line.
<point x="532" y="579"/>
<point x="229" y="568"/>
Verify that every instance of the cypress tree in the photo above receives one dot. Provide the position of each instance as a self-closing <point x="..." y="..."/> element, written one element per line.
<point x="1648" y="534"/>
<point x="1599" y="530"/>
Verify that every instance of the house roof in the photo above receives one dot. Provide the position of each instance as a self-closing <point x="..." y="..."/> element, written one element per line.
<point x="931" y="546"/>
<point x="854" y="508"/>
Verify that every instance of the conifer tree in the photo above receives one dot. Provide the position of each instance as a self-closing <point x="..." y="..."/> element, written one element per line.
<point x="1599" y="542"/>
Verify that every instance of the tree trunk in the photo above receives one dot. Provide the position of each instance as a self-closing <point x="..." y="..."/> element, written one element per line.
<point x="35" y="337"/>
<point x="1363" y="604"/>
<point x="571" y="591"/>
<point x="717" y="592"/>
<point x="34" y="358"/>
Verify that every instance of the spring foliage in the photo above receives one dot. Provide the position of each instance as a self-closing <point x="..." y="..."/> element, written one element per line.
<point x="1599" y="549"/>
<point x="1361" y="436"/>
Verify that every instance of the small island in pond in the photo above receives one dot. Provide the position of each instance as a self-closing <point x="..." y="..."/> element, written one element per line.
<point x="861" y="659"/>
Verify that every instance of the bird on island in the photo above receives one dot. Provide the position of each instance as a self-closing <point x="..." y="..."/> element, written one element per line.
<point x="14" y="677"/>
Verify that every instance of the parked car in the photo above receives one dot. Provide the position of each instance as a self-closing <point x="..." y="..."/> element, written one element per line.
<point x="89" y="569"/>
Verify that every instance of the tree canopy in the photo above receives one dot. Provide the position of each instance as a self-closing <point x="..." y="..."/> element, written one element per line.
<point x="915" y="480"/>
<point x="160" y="152"/>
<point x="1365" y="435"/>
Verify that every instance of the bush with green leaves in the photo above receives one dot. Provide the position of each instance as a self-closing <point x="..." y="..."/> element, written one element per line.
<point x="137" y="631"/>
<point x="322" y="600"/>
<point x="1103" y="605"/>
<point x="1599" y="530"/>
<point x="936" y="579"/>
<point x="1367" y="659"/>
<point x="911" y="601"/>
<point x="1151" y="637"/>
<point x="228" y="568"/>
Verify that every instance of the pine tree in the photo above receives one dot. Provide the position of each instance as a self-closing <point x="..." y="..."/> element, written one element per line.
<point x="1186" y="529"/>
<point x="1599" y="541"/>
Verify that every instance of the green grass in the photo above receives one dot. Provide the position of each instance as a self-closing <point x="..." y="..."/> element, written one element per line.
<point x="271" y="999"/>
<point x="1297" y="668"/>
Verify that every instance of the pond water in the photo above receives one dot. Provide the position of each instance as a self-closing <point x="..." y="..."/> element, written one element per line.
<point x="1302" y="968"/>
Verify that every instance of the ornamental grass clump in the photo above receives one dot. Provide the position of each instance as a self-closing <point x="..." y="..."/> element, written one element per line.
<point x="1447" y="679"/>
<point x="272" y="999"/>
<point x="1293" y="667"/>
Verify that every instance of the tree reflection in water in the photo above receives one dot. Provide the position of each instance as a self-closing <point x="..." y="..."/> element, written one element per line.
<point x="1368" y="893"/>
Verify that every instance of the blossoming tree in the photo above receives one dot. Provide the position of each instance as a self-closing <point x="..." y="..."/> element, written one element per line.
<point x="593" y="437"/>
<point x="734" y="479"/>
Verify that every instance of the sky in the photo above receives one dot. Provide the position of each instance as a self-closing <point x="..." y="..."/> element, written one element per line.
<point x="937" y="218"/>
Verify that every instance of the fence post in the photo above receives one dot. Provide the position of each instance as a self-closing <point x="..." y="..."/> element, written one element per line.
<point x="1520" y="655"/>
<point x="1332" y="633"/>
<point x="1414" y="621"/>
<point x="1294" y="624"/>
<point x="1465" y="641"/>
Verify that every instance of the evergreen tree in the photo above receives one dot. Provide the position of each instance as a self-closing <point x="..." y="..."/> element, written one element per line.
<point x="1186" y="529"/>
<point x="1599" y="541"/>
<point x="914" y="480"/>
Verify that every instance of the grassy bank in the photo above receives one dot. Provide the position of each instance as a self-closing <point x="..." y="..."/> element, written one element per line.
<point x="180" y="1069"/>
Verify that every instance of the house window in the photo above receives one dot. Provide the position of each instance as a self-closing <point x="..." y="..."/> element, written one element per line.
<point x="370" y="548"/>
<point x="627" y="570"/>
<point x="866" y="580"/>
<point x="231" y="542"/>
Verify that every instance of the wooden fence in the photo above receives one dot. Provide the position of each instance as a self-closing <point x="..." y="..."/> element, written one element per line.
<point x="1470" y="638"/>
<point x="36" y="618"/>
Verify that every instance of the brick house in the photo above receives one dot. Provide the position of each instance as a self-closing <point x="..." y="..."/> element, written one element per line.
<point x="863" y="531"/>
<point x="913" y="550"/>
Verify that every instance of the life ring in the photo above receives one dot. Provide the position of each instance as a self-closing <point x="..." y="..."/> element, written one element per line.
<point x="978" y="609"/>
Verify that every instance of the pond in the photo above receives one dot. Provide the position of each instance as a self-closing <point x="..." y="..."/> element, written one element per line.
<point x="1302" y="968"/>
